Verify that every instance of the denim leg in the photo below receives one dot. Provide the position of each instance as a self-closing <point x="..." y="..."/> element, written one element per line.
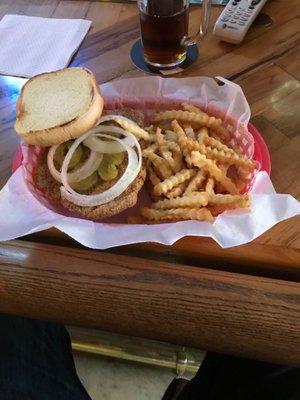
<point x="36" y="361"/>
<point x="222" y="377"/>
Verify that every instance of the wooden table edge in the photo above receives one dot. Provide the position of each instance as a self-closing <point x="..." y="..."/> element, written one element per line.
<point x="210" y="309"/>
<point x="261" y="259"/>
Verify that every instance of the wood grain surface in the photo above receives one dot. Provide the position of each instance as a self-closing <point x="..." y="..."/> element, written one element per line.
<point x="225" y="312"/>
<point x="246" y="298"/>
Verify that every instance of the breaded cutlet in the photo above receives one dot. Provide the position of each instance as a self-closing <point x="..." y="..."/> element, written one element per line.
<point x="51" y="188"/>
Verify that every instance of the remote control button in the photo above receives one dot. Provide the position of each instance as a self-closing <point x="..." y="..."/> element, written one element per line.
<point x="234" y="3"/>
<point x="241" y="23"/>
<point x="232" y="22"/>
<point x="244" y="19"/>
<point x="254" y="2"/>
<point x="224" y="19"/>
<point x="246" y="15"/>
<point x="251" y="8"/>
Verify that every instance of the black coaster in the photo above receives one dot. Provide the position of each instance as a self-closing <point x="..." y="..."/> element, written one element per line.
<point x="137" y="57"/>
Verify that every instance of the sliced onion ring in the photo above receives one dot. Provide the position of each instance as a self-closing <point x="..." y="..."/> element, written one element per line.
<point x="106" y="147"/>
<point x="113" y="117"/>
<point x="136" y="129"/>
<point x="86" y="169"/>
<point x="132" y="170"/>
<point x="107" y="129"/>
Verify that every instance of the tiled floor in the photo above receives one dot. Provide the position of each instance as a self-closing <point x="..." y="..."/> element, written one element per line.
<point x="113" y="379"/>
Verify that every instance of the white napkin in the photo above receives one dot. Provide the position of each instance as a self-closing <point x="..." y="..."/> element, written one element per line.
<point x="33" y="45"/>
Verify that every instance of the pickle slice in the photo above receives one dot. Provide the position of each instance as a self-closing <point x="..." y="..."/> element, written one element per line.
<point x="86" y="183"/>
<point x="61" y="152"/>
<point x="108" y="169"/>
<point x="76" y="157"/>
<point x="116" y="158"/>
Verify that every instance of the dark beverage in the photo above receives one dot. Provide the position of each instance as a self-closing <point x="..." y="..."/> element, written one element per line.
<point x="164" y="30"/>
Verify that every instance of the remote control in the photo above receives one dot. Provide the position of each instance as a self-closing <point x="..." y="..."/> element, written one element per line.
<point x="236" y="18"/>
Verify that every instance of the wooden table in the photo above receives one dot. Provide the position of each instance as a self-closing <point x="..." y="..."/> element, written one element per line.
<point x="243" y="300"/>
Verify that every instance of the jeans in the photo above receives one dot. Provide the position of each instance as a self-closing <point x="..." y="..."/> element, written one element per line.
<point x="36" y="363"/>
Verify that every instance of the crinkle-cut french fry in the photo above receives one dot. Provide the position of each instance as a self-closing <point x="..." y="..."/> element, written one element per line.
<point x="170" y="135"/>
<point x="152" y="133"/>
<point x="176" y="161"/>
<point x="149" y="128"/>
<point x="152" y="137"/>
<point x="244" y="173"/>
<point x="217" y="209"/>
<point x="226" y="199"/>
<point x="189" y="131"/>
<point x="177" y="190"/>
<point x="202" y="135"/>
<point x="182" y="140"/>
<point x="200" y="119"/>
<point x="215" y="136"/>
<point x="172" y="181"/>
<point x="154" y="179"/>
<point x="132" y="128"/>
<point x="186" y="144"/>
<point x="150" y="149"/>
<point x="181" y="137"/>
<point x="202" y="162"/>
<point x="163" y="145"/>
<point x="201" y="214"/>
<point x="226" y="155"/>
<point x="172" y="153"/>
<point x="224" y="168"/>
<point x="209" y="188"/>
<point x="195" y="183"/>
<point x="167" y="155"/>
<point x="212" y="142"/>
<point x="159" y="137"/>
<point x="161" y="165"/>
<point x="229" y="158"/>
<point x="174" y="147"/>
<point x="164" y="150"/>
<point x="192" y="108"/>
<point x="194" y="200"/>
<point x="228" y="204"/>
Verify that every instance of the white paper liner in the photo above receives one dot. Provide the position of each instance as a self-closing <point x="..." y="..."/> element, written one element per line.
<point x="24" y="210"/>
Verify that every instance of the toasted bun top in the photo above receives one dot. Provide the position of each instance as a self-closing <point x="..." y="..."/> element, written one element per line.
<point x="58" y="106"/>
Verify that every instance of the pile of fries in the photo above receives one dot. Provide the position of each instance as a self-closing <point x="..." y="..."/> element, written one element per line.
<point x="193" y="173"/>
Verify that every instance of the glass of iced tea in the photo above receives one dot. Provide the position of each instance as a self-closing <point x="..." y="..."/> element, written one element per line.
<point x="164" y="30"/>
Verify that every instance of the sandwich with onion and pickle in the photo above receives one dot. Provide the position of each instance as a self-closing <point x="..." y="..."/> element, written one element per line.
<point x="92" y="163"/>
